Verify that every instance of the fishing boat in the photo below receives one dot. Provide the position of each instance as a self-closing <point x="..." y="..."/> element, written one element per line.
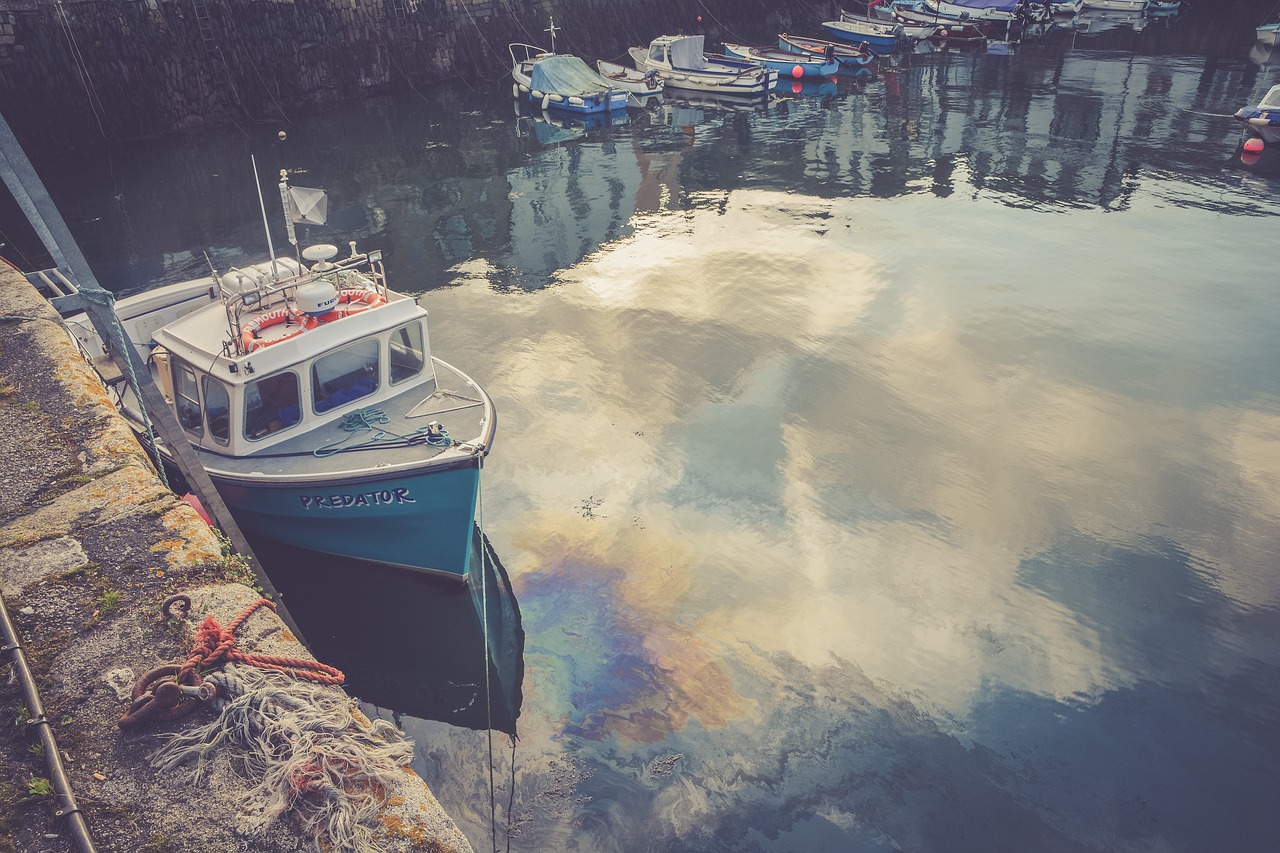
<point x="913" y="12"/>
<point x="561" y="81"/>
<point x="852" y="58"/>
<point x="1268" y="32"/>
<point x="1262" y="120"/>
<point x="308" y="391"/>
<point x="877" y="35"/>
<point x="682" y="62"/>
<point x="787" y="64"/>
<point x="642" y="83"/>
<point x="912" y="30"/>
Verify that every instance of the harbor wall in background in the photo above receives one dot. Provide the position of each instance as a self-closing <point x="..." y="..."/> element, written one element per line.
<point x="87" y="73"/>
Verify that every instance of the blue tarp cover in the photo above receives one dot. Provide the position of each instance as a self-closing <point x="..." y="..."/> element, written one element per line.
<point x="566" y="75"/>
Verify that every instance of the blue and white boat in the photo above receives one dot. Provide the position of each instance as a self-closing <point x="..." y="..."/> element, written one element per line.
<point x="561" y="82"/>
<point x="793" y="65"/>
<point x="308" y="391"/>
<point x="876" y="34"/>
<point x="852" y="58"/>
<point x="1262" y="120"/>
<point x="682" y="62"/>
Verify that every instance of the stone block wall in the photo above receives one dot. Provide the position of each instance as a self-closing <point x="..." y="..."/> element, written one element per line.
<point x="86" y="73"/>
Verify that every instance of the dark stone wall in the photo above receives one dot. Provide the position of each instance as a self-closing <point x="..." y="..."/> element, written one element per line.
<point x="82" y="73"/>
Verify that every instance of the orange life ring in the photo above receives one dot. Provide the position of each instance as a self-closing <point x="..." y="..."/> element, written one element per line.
<point x="353" y="301"/>
<point x="249" y="331"/>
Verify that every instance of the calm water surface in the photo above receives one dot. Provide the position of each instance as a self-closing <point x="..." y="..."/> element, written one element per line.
<point x="893" y="467"/>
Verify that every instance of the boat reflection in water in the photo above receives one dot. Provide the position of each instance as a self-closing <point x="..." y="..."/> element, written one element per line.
<point x="410" y="644"/>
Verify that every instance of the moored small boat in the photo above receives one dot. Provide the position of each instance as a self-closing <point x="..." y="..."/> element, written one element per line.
<point x="560" y="81"/>
<point x="630" y="79"/>
<point x="878" y="35"/>
<point x="851" y="57"/>
<point x="787" y="64"/>
<point x="1267" y="33"/>
<point x="1262" y="120"/>
<point x="912" y="30"/>
<point x="309" y="393"/>
<point x="682" y="63"/>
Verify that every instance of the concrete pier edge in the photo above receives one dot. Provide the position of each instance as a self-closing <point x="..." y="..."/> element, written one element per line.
<point x="90" y="543"/>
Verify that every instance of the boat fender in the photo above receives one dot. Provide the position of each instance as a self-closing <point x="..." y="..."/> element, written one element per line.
<point x="515" y="90"/>
<point x="536" y="95"/>
<point x="546" y="99"/>
<point x="553" y="96"/>
<point x="575" y="101"/>
<point x="249" y="331"/>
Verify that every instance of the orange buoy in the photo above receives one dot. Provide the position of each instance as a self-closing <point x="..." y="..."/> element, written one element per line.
<point x="797" y="72"/>
<point x="1254" y="145"/>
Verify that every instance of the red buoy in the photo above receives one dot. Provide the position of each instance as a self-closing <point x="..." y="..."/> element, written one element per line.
<point x="797" y="88"/>
<point x="1254" y="145"/>
<point x="797" y="72"/>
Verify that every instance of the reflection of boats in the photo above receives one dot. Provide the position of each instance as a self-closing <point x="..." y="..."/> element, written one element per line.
<point x="1262" y="120"/>
<point x="787" y="64"/>
<point x="407" y="644"/>
<point x="809" y="87"/>
<point x="1114" y="5"/>
<point x="1099" y="22"/>
<point x="1163" y="7"/>
<point x="313" y="401"/>
<point x="551" y="127"/>
<point x="880" y="35"/>
<point x="559" y="81"/>
<point x="630" y="79"/>
<point x="683" y="64"/>
<point x="851" y="57"/>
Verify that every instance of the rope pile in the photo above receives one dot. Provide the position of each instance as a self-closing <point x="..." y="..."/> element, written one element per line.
<point x="281" y="726"/>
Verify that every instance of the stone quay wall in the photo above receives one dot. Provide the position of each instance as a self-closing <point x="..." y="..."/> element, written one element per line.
<point x="88" y="73"/>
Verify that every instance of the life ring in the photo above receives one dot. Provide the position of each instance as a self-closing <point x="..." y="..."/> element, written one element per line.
<point x="353" y="301"/>
<point x="249" y="331"/>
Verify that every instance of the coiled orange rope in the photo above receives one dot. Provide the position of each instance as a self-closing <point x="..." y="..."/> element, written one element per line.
<point x="214" y="646"/>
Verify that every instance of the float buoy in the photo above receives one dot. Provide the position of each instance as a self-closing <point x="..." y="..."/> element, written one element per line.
<point x="1254" y="145"/>
<point x="797" y="72"/>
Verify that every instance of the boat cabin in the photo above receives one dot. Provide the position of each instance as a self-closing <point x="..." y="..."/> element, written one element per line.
<point x="272" y="360"/>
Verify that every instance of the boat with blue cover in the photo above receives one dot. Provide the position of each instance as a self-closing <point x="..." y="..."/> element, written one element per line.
<point x="1262" y="120"/>
<point x="852" y="58"/>
<point x="561" y="81"/>
<point x="308" y="391"/>
<point x="793" y="65"/>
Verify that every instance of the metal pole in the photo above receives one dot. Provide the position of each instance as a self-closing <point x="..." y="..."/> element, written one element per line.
<point x="67" y="807"/>
<point x="98" y="304"/>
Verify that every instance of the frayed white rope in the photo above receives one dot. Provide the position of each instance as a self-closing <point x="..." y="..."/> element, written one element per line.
<point x="306" y="750"/>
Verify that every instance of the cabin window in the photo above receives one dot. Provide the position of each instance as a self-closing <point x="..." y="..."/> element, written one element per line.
<point x="271" y="404"/>
<point x="217" y="410"/>
<point x="408" y="354"/>
<point x="186" y="398"/>
<point x="656" y="53"/>
<point x="345" y="375"/>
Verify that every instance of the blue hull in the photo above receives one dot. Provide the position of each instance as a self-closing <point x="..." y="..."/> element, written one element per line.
<point x="882" y="42"/>
<point x="591" y="105"/>
<point x="810" y="66"/>
<point x="419" y="521"/>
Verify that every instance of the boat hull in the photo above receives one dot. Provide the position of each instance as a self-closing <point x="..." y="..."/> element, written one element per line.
<point x="849" y="57"/>
<point x="1267" y="34"/>
<point x="852" y="34"/>
<point x="754" y="83"/>
<point x="808" y="66"/>
<point x="414" y="520"/>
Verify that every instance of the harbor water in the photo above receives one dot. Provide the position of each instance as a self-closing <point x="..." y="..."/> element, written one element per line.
<point x="891" y="466"/>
